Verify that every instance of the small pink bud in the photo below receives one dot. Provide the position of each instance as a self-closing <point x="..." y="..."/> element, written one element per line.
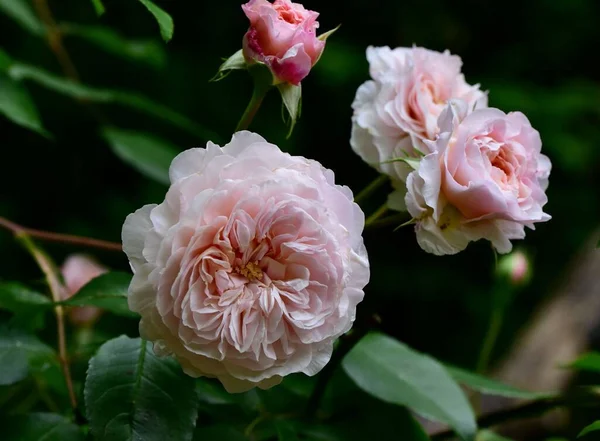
<point x="516" y="267"/>
<point x="282" y="35"/>
<point x="77" y="271"/>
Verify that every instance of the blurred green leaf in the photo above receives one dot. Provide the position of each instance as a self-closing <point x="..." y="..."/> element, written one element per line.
<point x="27" y="306"/>
<point x="107" y="291"/>
<point x="16" y="105"/>
<point x="131" y="394"/>
<point x="39" y="427"/>
<point x="587" y="362"/>
<point x="21" y="12"/>
<point x="148" y="52"/>
<point x="595" y="426"/>
<point x="492" y="387"/>
<point x="21" y="354"/>
<point x="165" y="22"/>
<point x="488" y="435"/>
<point x="5" y="61"/>
<point x="286" y="431"/>
<point x="19" y="71"/>
<point x="213" y="393"/>
<point x="98" y="7"/>
<point x="394" y="373"/>
<point x="150" y="155"/>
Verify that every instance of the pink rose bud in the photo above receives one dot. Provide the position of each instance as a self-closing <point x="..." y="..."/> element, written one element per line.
<point x="77" y="271"/>
<point x="283" y="36"/>
<point x="515" y="266"/>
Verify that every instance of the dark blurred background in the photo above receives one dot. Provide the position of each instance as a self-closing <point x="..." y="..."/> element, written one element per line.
<point x="534" y="56"/>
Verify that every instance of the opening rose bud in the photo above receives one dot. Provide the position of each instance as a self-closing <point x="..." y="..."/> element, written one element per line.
<point x="282" y="35"/>
<point x="251" y="267"/>
<point x="516" y="267"/>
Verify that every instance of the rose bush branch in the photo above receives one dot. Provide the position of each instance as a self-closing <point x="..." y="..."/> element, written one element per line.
<point x="57" y="291"/>
<point x="58" y="237"/>
<point x="579" y="398"/>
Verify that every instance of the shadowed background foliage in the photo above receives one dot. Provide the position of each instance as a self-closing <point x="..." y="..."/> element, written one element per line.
<point x="531" y="56"/>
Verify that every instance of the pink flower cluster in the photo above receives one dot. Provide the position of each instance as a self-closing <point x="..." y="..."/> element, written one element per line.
<point x="479" y="172"/>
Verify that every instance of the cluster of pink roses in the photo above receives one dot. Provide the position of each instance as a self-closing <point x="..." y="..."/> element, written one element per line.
<point x="254" y="263"/>
<point x="463" y="171"/>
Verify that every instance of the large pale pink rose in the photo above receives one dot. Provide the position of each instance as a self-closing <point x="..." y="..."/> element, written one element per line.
<point x="486" y="179"/>
<point x="77" y="271"/>
<point x="398" y="109"/>
<point x="251" y="267"/>
<point x="283" y="35"/>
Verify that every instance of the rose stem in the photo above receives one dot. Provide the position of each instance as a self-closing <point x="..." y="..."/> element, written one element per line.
<point x="57" y="290"/>
<point x="376" y="215"/>
<point x="57" y="237"/>
<point x="258" y="95"/>
<point x="581" y="397"/>
<point x="370" y="189"/>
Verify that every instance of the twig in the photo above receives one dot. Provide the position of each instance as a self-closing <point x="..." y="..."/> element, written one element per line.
<point x="582" y="397"/>
<point x="57" y="237"/>
<point x="55" y="39"/>
<point x="57" y="290"/>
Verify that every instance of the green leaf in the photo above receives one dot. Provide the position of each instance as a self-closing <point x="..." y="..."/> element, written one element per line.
<point x="493" y="387"/>
<point x="235" y="62"/>
<point x="131" y="394"/>
<point x="21" y="12"/>
<point x="595" y="426"/>
<point x="291" y="97"/>
<point x="285" y="431"/>
<point x="16" y="105"/>
<point x="20" y="71"/>
<point x="98" y="7"/>
<point x="27" y="306"/>
<point x="394" y="373"/>
<point x="587" y="362"/>
<point x="488" y="435"/>
<point x="165" y="22"/>
<point x="5" y="61"/>
<point x="150" y="155"/>
<point x="107" y="291"/>
<point x="148" y="52"/>
<point x="39" y="427"/>
<point x="21" y="354"/>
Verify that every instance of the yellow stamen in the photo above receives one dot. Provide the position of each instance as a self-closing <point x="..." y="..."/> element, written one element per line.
<point x="251" y="271"/>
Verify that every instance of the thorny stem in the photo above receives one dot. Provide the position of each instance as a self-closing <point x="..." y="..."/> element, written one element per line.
<point x="57" y="237"/>
<point x="57" y="290"/>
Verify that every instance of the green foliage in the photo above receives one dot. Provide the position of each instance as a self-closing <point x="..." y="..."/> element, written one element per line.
<point x="488" y="435"/>
<point x="39" y="427"/>
<point x="164" y="20"/>
<point x="20" y="11"/>
<point x="19" y="71"/>
<point x="488" y="386"/>
<point x="595" y="426"/>
<point x="587" y="362"/>
<point x="107" y="291"/>
<point x="291" y="97"/>
<point x="27" y="306"/>
<point x="145" y="52"/>
<point x="131" y="394"/>
<point x="98" y="7"/>
<point x="394" y="373"/>
<point x="150" y="155"/>
<point x="17" y="105"/>
<point x="22" y="354"/>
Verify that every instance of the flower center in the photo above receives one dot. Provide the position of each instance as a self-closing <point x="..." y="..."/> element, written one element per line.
<point x="251" y="271"/>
